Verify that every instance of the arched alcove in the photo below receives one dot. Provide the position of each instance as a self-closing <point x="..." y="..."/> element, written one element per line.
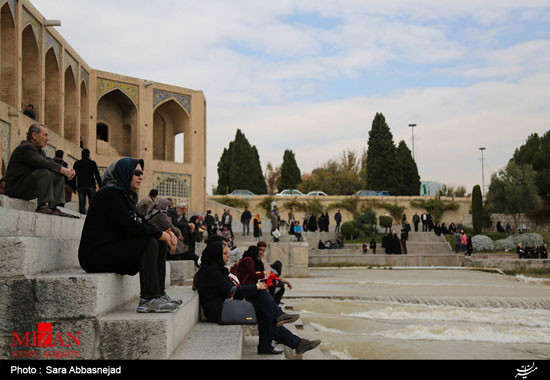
<point x="70" y="109"/>
<point x="84" y="117"/>
<point x="117" y="110"/>
<point x="8" y="52"/>
<point x="171" y="123"/>
<point x="30" y="69"/>
<point x="52" y="93"/>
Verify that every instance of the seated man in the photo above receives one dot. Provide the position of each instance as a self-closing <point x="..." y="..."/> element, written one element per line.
<point x="31" y="174"/>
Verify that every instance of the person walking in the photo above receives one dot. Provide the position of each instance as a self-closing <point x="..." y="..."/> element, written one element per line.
<point x="87" y="176"/>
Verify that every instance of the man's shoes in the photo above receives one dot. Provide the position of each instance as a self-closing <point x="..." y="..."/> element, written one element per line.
<point x="271" y="351"/>
<point x="44" y="209"/>
<point x="286" y="318"/>
<point x="172" y="301"/>
<point x="155" y="305"/>
<point x="306" y="345"/>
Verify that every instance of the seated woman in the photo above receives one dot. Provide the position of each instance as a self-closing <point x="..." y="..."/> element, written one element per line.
<point x="214" y="285"/>
<point x="159" y="218"/>
<point x="116" y="238"/>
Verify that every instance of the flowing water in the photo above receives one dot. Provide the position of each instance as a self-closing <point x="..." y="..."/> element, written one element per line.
<point x="425" y="314"/>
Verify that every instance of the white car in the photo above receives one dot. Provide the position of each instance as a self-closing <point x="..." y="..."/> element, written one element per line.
<point x="317" y="194"/>
<point x="242" y="192"/>
<point x="290" y="192"/>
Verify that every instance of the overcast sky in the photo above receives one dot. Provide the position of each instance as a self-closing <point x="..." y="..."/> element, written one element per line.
<point x="310" y="75"/>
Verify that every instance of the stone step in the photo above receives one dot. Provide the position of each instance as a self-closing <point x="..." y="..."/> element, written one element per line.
<point x="15" y="222"/>
<point x="211" y="341"/>
<point x="65" y="295"/>
<point x="24" y="256"/>
<point x="17" y="204"/>
<point x="127" y="335"/>
<point x="182" y="272"/>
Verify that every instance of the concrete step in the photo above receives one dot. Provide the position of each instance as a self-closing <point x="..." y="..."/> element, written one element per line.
<point x="126" y="334"/>
<point x="24" y="256"/>
<point x="181" y="272"/>
<point x="211" y="341"/>
<point x="15" y="222"/>
<point x="65" y="294"/>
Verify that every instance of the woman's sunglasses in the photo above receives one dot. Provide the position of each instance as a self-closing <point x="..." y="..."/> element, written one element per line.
<point x="138" y="173"/>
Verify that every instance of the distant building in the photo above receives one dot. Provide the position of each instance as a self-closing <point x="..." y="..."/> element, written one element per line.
<point x="110" y="114"/>
<point x="430" y="188"/>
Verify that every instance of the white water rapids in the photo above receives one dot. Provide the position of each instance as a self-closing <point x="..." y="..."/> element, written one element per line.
<point x="412" y="314"/>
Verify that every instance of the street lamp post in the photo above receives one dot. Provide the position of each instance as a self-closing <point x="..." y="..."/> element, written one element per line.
<point x="482" y="173"/>
<point x="412" y="129"/>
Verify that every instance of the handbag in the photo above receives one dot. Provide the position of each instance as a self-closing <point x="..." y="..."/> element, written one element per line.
<point x="237" y="312"/>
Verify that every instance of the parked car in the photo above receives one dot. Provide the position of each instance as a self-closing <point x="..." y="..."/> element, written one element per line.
<point x="366" y="193"/>
<point x="242" y="192"/>
<point x="290" y="192"/>
<point x="383" y="193"/>
<point x="316" y="194"/>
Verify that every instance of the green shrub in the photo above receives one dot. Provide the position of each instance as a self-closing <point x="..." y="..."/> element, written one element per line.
<point x="348" y="230"/>
<point x="385" y="221"/>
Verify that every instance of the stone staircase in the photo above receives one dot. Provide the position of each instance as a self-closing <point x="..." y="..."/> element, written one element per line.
<point x="41" y="282"/>
<point x="427" y="243"/>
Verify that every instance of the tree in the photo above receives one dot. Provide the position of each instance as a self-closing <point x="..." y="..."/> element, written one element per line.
<point x="272" y="178"/>
<point x="536" y="152"/>
<point x="290" y="173"/>
<point x="341" y="176"/>
<point x="410" y="179"/>
<point x="239" y="168"/>
<point x="477" y="210"/>
<point x="383" y="172"/>
<point x="513" y="191"/>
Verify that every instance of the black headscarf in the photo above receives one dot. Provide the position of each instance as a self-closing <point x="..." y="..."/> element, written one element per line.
<point x="253" y="252"/>
<point x="119" y="175"/>
<point x="212" y="255"/>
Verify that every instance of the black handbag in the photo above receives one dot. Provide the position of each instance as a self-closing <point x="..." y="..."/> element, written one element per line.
<point x="237" y="312"/>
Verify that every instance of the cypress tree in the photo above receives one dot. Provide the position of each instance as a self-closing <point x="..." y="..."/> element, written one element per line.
<point x="239" y="167"/>
<point x="290" y="173"/>
<point x="410" y="182"/>
<point x="382" y="167"/>
<point x="477" y="209"/>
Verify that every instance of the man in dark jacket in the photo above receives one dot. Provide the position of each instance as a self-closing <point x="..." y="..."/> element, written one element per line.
<point x="31" y="174"/>
<point x="87" y="175"/>
<point x="246" y="217"/>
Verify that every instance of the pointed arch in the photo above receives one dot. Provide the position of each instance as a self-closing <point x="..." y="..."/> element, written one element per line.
<point x="8" y="52"/>
<point x="84" y="116"/>
<point x="52" y="93"/>
<point x="30" y="69"/>
<point x="171" y="122"/>
<point x="119" y="112"/>
<point x="70" y="118"/>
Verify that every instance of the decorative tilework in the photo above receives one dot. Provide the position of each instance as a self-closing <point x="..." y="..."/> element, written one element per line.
<point x="172" y="185"/>
<point x="105" y="85"/>
<point x="159" y="96"/>
<point x="29" y="19"/>
<point x="84" y="76"/>
<point x="70" y="61"/>
<point x="52" y="42"/>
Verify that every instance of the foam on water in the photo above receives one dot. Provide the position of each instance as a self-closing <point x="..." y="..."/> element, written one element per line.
<point x="532" y="318"/>
<point x="470" y="333"/>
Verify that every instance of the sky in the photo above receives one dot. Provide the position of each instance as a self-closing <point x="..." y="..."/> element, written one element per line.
<point x="310" y="75"/>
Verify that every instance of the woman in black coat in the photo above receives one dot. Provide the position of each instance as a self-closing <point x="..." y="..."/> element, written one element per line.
<point x="117" y="239"/>
<point x="214" y="286"/>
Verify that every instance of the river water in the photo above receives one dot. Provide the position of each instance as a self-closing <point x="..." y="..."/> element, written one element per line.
<point x="425" y="313"/>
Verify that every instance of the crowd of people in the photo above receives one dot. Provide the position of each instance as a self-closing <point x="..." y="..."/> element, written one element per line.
<point x="531" y="252"/>
<point x="124" y="235"/>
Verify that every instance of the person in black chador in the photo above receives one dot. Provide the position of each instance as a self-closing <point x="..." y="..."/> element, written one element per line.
<point x="117" y="239"/>
<point x="395" y="244"/>
<point x="214" y="285"/>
